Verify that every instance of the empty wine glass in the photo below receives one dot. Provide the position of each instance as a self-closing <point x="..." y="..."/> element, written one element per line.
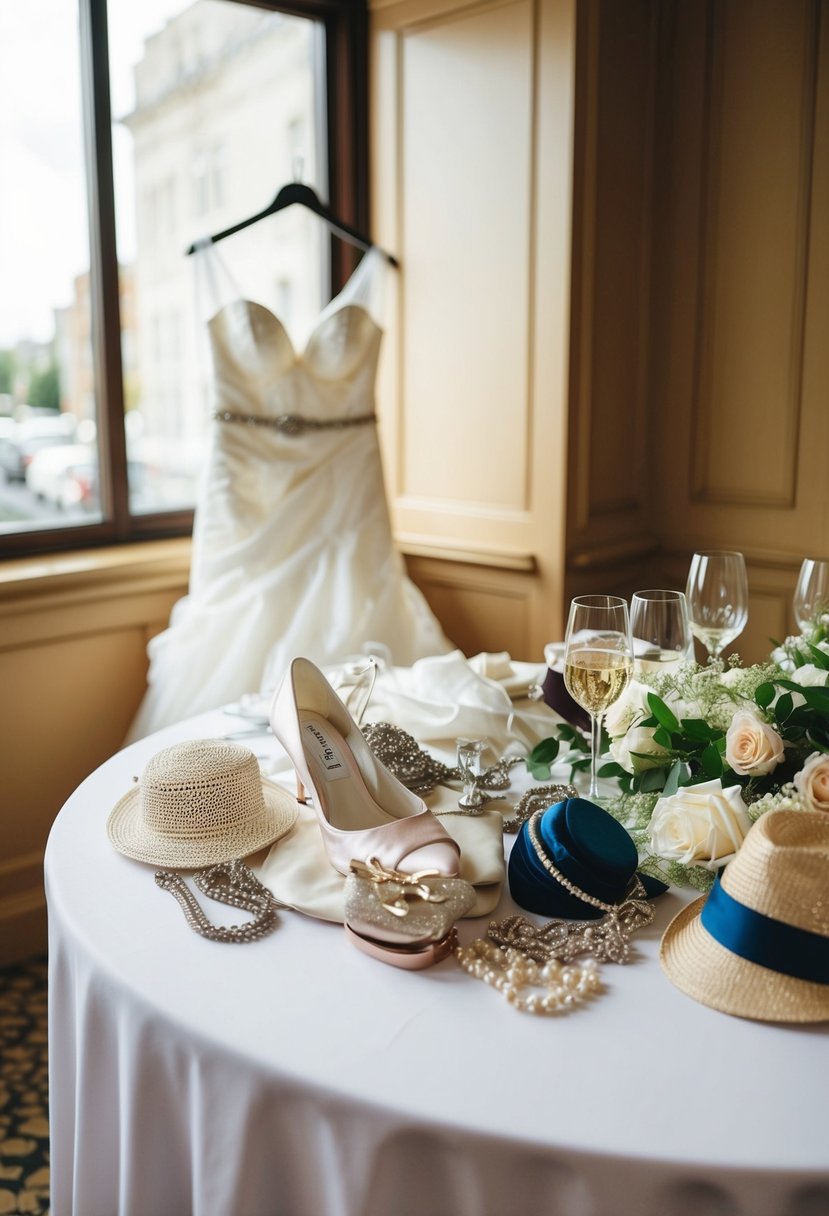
<point x="717" y="595"/>
<point x="661" y="630"/>
<point x="811" y="596"/>
<point x="598" y="660"/>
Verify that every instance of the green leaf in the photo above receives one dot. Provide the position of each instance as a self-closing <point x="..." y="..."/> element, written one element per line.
<point x="652" y="780"/>
<point x="544" y="752"/>
<point x="672" y="780"/>
<point x="612" y="769"/>
<point x="819" y="659"/>
<point x="697" y="729"/>
<point x="538" y="772"/>
<point x="764" y="695"/>
<point x="664" y="716"/>
<point x="684" y="774"/>
<point x="568" y="732"/>
<point x="711" y="761"/>
<point x="662" y="737"/>
<point x="821" y="746"/>
<point x="784" y="707"/>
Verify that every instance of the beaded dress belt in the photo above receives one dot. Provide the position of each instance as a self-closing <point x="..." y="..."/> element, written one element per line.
<point x="294" y="424"/>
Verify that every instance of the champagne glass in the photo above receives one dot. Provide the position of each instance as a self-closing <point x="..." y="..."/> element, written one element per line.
<point x="598" y="660"/>
<point x="661" y="630"/>
<point x="811" y="596"/>
<point x="717" y="595"/>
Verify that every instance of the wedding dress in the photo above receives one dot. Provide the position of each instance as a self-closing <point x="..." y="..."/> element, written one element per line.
<point x="292" y="546"/>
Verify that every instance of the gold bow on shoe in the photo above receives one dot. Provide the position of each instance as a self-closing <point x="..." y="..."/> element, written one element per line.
<point x="403" y="887"/>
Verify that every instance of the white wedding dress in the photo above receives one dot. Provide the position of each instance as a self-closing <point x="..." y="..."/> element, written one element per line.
<point x="292" y="546"/>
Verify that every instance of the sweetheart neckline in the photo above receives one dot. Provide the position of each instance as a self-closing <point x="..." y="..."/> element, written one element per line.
<point x="299" y="355"/>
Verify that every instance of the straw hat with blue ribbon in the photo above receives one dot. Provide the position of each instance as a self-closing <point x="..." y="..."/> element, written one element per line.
<point x="758" y="945"/>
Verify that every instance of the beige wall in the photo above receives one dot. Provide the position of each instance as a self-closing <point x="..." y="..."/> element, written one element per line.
<point x="73" y="636"/>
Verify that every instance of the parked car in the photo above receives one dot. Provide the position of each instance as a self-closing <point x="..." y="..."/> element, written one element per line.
<point x="18" y="449"/>
<point x="47" y="470"/>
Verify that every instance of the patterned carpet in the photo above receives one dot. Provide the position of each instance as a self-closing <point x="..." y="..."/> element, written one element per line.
<point x="24" y="1090"/>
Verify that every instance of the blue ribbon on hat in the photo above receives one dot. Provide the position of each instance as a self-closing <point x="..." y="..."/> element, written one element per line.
<point x="763" y="940"/>
<point x="589" y="847"/>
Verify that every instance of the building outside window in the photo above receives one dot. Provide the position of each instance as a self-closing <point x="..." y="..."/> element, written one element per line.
<point x="214" y="105"/>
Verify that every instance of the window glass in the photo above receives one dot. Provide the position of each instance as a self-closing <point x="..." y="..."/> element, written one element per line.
<point x="47" y="398"/>
<point x="214" y="106"/>
<point x="213" y="110"/>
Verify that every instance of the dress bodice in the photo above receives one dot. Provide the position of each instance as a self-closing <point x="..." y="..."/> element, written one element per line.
<point x="292" y="546"/>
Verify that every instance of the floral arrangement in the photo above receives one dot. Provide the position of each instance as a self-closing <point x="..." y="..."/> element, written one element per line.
<point x="698" y="753"/>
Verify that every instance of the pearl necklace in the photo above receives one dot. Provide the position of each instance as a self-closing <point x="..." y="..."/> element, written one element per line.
<point x="511" y="972"/>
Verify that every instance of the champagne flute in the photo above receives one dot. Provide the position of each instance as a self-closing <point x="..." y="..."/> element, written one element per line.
<point x="717" y="595"/>
<point x="598" y="660"/>
<point x="811" y="597"/>
<point x="661" y="630"/>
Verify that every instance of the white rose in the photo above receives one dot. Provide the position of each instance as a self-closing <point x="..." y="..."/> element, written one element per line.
<point x="630" y="707"/>
<point x="638" y="739"/>
<point x="700" y="825"/>
<point x="731" y="677"/>
<point x="812" y="782"/>
<point x="809" y="676"/>
<point x="752" y="747"/>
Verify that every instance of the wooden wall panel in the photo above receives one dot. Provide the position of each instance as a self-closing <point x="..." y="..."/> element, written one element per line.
<point x="466" y="131"/>
<point x="609" y="485"/>
<point x="484" y="608"/>
<point x="757" y="155"/>
<point x="73" y="635"/>
<point x="472" y="172"/>
<point x="739" y="368"/>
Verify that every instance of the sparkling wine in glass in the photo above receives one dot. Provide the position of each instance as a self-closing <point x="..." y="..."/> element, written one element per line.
<point x="661" y="630"/>
<point x="811" y="596"/>
<point x="717" y="595"/>
<point x="598" y="660"/>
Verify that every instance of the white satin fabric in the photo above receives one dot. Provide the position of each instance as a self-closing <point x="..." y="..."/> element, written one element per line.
<point x="292" y="545"/>
<point x="293" y="1076"/>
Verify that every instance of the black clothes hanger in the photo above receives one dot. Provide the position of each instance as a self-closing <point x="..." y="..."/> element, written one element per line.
<point x="298" y="192"/>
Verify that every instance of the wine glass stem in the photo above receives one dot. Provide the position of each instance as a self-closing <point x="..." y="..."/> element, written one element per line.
<point x="595" y="744"/>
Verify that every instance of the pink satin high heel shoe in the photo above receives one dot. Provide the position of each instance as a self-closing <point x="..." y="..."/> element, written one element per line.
<point x="363" y="811"/>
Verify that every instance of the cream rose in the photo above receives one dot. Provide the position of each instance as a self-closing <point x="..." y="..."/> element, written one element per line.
<point x="812" y="782"/>
<point x="632" y="706"/>
<point x="752" y="747"/>
<point x="639" y="739"/>
<point x="700" y="825"/>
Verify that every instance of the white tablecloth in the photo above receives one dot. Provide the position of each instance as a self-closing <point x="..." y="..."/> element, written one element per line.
<point x="296" y="1077"/>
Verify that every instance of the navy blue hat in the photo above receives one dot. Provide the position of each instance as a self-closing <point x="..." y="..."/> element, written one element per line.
<point x="588" y="847"/>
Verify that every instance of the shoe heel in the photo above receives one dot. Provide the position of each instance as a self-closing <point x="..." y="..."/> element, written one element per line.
<point x="301" y="796"/>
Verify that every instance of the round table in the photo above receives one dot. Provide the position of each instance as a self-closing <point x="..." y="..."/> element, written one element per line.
<point x="294" y="1076"/>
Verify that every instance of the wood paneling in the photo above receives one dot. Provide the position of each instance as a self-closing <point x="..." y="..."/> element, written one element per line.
<point x="609" y="496"/>
<point x="739" y="367"/>
<point x="472" y="171"/>
<point x="73" y="635"/>
<point x="759" y="91"/>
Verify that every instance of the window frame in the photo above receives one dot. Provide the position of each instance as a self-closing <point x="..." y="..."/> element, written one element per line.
<point x="345" y="24"/>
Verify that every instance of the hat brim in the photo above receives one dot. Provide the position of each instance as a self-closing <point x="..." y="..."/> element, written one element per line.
<point x="713" y="975"/>
<point x="129" y="834"/>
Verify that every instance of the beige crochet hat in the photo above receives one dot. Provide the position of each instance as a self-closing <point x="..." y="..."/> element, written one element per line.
<point x="758" y="945"/>
<point x="199" y="803"/>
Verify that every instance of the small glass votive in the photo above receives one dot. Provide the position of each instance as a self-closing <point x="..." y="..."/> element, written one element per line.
<point x="470" y="765"/>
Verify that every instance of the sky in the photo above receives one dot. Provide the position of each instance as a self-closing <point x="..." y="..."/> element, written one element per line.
<point x="43" y="211"/>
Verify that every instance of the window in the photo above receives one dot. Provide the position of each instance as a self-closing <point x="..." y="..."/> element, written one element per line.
<point x="162" y="122"/>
